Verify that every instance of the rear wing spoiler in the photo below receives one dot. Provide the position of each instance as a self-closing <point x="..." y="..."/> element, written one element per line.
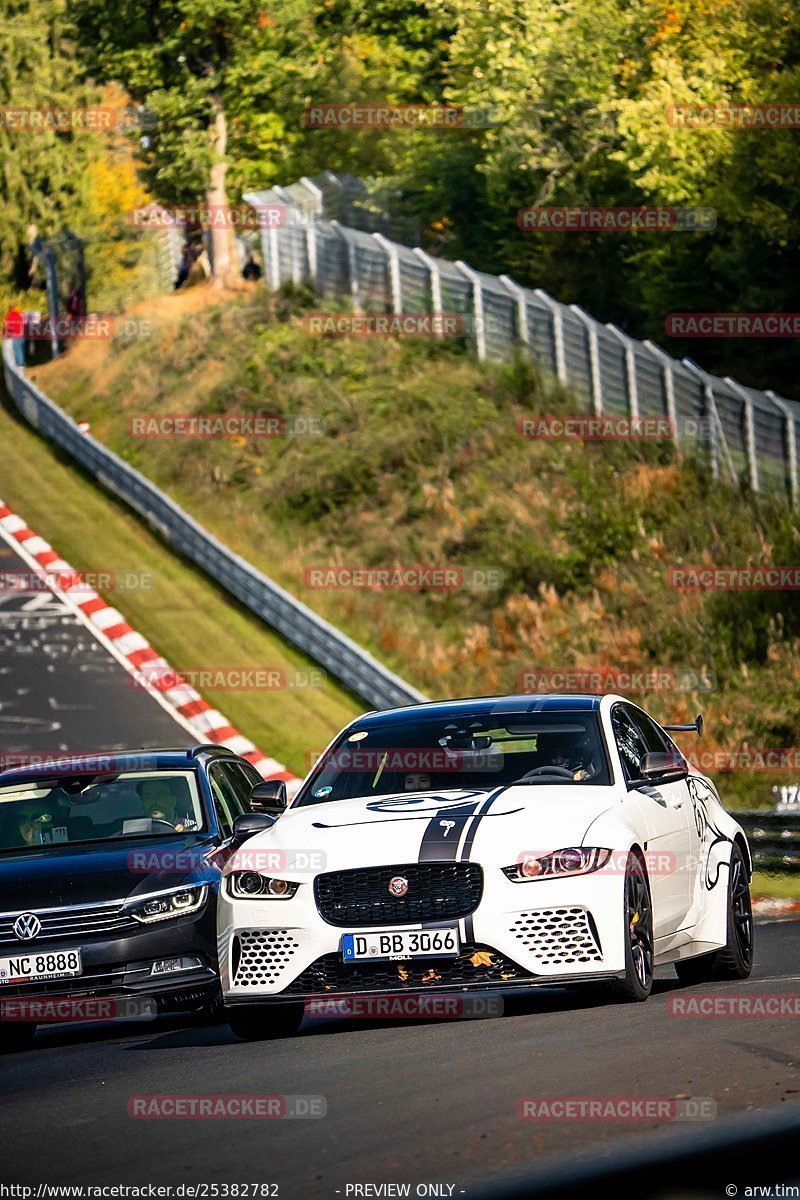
<point x="695" y="727"/>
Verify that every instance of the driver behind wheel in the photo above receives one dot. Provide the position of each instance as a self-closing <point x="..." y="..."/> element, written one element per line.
<point x="161" y="803"/>
<point x="571" y="752"/>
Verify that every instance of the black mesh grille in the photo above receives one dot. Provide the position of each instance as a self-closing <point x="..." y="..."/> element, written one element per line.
<point x="435" y="891"/>
<point x="476" y="966"/>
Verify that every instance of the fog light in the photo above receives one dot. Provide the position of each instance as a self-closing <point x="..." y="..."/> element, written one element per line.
<point x="163" y="966"/>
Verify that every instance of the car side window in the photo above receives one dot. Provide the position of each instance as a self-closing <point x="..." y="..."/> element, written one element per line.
<point x="656" y="740"/>
<point x="241" y="783"/>
<point x="226" y="804"/>
<point x="630" y="740"/>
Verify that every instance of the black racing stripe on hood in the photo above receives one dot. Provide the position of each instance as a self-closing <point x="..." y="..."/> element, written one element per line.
<point x="443" y="833"/>
<point x="473" y="829"/>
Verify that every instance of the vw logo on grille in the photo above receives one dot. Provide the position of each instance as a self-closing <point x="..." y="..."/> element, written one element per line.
<point x="398" y="885"/>
<point x="27" y="926"/>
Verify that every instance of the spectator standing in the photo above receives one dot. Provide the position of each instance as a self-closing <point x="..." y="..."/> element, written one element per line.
<point x="251" y="269"/>
<point x="14" y="330"/>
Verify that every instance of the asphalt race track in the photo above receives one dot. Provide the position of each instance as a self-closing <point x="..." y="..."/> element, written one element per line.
<point x="406" y="1102"/>
<point x="60" y="688"/>
<point x="432" y="1102"/>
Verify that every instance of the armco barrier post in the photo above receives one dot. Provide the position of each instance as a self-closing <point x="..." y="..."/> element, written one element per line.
<point x="590" y="325"/>
<point x="477" y="307"/>
<point x="791" y="445"/>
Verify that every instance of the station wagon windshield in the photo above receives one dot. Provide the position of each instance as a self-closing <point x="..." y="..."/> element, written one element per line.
<point x="98" y="809"/>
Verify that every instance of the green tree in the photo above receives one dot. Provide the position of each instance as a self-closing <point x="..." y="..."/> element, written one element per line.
<point x="42" y="179"/>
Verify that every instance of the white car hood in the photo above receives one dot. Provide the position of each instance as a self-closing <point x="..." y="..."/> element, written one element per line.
<point x="493" y="827"/>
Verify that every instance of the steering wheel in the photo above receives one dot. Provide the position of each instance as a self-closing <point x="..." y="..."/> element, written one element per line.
<point x="162" y="821"/>
<point x="558" y="772"/>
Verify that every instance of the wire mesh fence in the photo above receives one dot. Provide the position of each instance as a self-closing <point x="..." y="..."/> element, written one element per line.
<point x="337" y="239"/>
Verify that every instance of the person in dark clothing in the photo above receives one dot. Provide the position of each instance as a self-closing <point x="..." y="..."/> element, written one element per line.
<point x="251" y="269"/>
<point x="185" y="265"/>
<point x="75" y="305"/>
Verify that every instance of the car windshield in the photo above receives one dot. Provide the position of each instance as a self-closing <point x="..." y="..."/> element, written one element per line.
<point x="467" y="752"/>
<point x="95" y="808"/>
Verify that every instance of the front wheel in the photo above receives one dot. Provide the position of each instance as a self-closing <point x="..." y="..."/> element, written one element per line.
<point x="261" y="1022"/>
<point x="637" y="983"/>
<point x="735" y="959"/>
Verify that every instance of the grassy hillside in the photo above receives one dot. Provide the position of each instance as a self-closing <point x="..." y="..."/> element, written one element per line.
<point x="186" y="617"/>
<point x="421" y="463"/>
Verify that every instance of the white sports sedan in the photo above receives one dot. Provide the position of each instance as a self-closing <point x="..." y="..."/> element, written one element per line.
<point x="483" y="844"/>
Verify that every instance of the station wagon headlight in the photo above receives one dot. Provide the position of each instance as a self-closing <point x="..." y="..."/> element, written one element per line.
<point x="250" y="885"/>
<point x="160" y="906"/>
<point x="574" y="860"/>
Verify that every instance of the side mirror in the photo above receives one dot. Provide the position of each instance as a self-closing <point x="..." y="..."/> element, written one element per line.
<point x="249" y="824"/>
<point x="663" y="766"/>
<point x="269" y="797"/>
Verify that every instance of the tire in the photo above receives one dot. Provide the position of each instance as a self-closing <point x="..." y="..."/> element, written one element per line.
<point x="210" y="1013"/>
<point x="262" y="1022"/>
<point x="637" y="983"/>
<point x="735" y="959"/>
<point x="15" y="1036"/>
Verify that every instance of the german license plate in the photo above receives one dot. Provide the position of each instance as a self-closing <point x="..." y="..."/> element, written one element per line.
<point x="25" y="968"/>
<point x="419" y="943"/>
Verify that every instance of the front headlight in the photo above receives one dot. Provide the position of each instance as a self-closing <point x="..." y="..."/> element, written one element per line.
<point x="160" y="906"/>
<point x="575" y="860"/>
<point x="250" y="885"/>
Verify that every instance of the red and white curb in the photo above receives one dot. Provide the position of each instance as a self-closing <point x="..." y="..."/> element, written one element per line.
<point x="765" y="906"/>
<point x="135" y="653"/>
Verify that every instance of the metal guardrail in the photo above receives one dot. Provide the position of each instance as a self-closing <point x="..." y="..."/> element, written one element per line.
<point x="774" y="838"/>
<point x="329" y="240"/>
<point x="321" y="641"/>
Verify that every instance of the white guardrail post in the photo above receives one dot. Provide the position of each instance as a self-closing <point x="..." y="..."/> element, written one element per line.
<point x="630" y="370"/>
<point x="393" y="258"/>
<point x="791" y="446"/>
<point x="352" y="267"/>
<point x="750" y="433"/>
<point x="668" y="376"/>
<point x="477" y="307"/>
<point x="523" y="332"/>
<point x="436" y="282"/>
<point x="590" y="325"/>
<point x="558" y="334"/>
